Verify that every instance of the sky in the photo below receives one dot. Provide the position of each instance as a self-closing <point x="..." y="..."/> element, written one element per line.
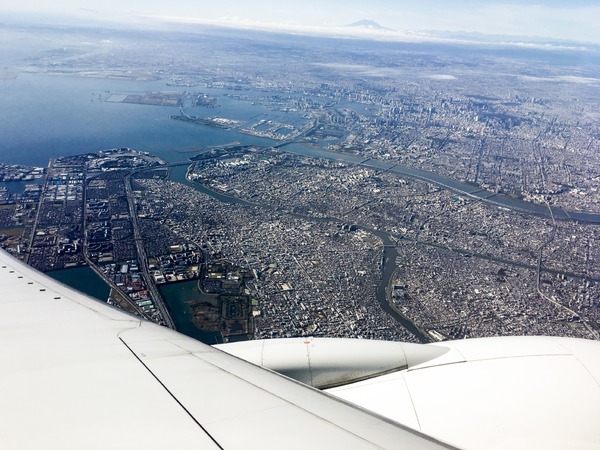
<point x="555" y="19"/>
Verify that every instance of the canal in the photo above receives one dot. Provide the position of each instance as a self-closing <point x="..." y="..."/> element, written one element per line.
<point x="83" y="279"/>
<point x="179" y="296"/>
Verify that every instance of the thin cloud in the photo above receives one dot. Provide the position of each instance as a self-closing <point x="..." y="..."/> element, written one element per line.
<point x="552" y="19"/>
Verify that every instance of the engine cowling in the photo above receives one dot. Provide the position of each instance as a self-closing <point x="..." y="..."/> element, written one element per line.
<point x="330" y="362"/>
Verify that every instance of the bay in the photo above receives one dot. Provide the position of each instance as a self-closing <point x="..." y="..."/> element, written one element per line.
<point x="45" y="116"/>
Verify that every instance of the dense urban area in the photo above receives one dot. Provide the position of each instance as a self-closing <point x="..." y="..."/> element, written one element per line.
<point x="407" y="193"/>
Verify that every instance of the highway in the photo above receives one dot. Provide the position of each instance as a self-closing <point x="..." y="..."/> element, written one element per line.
<point x="142" y="257"/>
<point x="108" y="280"/>
<point x="37" y="215"/>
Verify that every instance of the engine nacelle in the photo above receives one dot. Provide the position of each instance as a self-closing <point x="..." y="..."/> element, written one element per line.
<point x="329" y="362"/>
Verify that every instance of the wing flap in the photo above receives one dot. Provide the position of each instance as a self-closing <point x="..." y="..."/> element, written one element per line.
<point x="224" y="393"/>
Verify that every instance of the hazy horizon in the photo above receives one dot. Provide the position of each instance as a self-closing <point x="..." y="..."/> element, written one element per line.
<point x="550" y="19"/>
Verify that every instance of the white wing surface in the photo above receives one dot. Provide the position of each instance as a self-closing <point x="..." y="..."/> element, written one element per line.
<point x="75" y="373"/>
<point x="496" y="393"/>
<point x="510" y="392"/>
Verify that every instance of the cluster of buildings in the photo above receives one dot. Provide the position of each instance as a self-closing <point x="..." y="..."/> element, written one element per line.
<point x="300" y="242"/>
<point x="180" y="265"/>
<point x="310" y="231"/>
<point x="18" y="172"/>
<point x="128" y="278"/>
<point x="310" y="277"/>
<point x="465" y="267"/>
<point x="82" y="217"/>
<point x="456" y="296"/>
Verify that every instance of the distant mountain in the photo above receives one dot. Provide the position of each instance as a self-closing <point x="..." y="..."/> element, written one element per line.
<point x="368" y="23"/>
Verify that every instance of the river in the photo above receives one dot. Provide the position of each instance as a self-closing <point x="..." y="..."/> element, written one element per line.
<point x="64" y="116"/>
<point x="390" y="253"/>
<point x="83" y="123"/>
<point x="446" y="182"/>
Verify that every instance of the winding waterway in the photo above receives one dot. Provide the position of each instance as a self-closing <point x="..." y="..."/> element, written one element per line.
<point x="390" y="253"/>
<point x="85" y="123"/>
<point x="457" y="186"/>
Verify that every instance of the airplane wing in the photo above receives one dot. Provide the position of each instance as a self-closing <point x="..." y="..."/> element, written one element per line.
<point x="76" y="373"/>
<point x="496" y="393"/>
<point x="534" y="392"/>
